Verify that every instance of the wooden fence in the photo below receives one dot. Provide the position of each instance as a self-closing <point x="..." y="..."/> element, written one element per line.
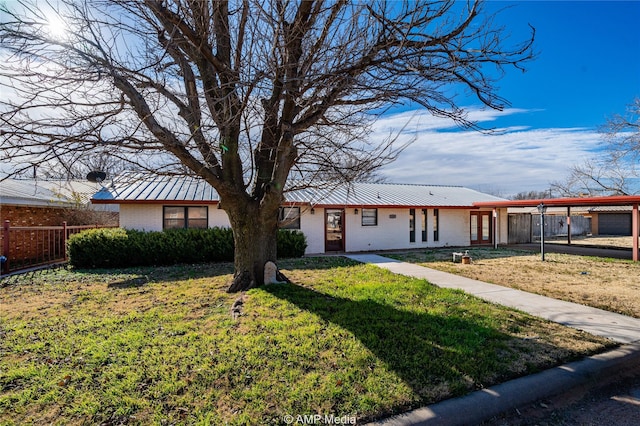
<point x="25" y="247"/>
<point x="525" y="228"/>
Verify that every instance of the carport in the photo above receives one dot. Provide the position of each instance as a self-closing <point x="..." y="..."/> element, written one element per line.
<point x="618" y="200"/>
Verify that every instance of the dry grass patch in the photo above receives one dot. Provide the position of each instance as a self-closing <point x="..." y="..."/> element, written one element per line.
<point x="599" y="241"/>
<point x="608" y="284"/>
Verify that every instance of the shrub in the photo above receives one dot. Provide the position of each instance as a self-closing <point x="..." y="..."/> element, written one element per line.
<point x="99" y="248"/>
<point x="291" y="244"/>
<point x="115" y="247"/>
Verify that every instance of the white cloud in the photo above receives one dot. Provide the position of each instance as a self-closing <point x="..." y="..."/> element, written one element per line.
<point x="517" y="159"/>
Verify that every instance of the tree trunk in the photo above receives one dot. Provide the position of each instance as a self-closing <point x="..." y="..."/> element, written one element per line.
<point x="255" y="231"/>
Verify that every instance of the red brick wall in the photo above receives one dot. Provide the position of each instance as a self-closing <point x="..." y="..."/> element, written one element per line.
<point x="32" y="216"/>
<point x="52" y="216"/>
<point x="31" y="247"/>
<point x="34" y="247"/>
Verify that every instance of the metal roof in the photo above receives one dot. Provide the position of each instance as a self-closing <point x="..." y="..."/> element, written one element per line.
<point x="391" y="195"/>
<point x="138" y="188"/>
<point x="32" y="193"/>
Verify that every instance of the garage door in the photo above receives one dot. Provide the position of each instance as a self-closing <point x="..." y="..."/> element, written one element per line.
<point x="614" y="224"/>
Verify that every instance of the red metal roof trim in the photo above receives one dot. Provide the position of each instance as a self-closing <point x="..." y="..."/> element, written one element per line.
<point x="383" y="206"/>
<point x="615" y="200"/>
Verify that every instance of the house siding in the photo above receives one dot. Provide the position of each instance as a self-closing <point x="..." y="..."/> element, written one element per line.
<point x="503" y="226"/>
<point x="144" y="217"/>
<point x="391" y="233"/>
<point x="312" y="226"/>
<point x="148" y="217"/>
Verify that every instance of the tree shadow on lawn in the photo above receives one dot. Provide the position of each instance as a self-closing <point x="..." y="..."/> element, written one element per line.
<point x="438" y="356"/>
<point x="138" y="276"/>
<point x="141" y="275"/>
<point x="146" y="274"/>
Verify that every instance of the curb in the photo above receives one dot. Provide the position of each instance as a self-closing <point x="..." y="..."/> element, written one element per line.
<point x="487" y="403"/>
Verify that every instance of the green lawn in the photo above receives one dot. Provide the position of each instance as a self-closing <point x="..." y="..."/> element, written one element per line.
<point x="159" y="346"/>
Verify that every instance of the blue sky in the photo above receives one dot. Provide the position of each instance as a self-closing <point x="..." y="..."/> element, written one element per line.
<point x="588" y="65"/>
<point x="587" y="69"/>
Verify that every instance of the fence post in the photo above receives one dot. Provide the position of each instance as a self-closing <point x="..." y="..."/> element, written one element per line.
<point x="4" y="267"/>
<point x="64" y="242"/>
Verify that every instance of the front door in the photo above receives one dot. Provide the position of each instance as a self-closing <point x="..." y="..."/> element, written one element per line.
<point x="334" y="230"/>
<point x="481" y="228"/>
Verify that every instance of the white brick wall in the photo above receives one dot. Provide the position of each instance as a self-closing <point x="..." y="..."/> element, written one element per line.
<point x="148" y="217"/>
<point x="390" y="233"/>
<point x="312" y="226"/>
<point x="144" y="217"/>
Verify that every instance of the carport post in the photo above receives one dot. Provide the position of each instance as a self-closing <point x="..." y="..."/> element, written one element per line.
<point x="495" y="226"/>
<point x="634" y="231"/>
<point x="542" y="209"/>
<point x="569" y="225"/>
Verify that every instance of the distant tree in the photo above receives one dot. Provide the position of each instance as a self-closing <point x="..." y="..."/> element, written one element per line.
<point x="615" y="170"/>
<point x="244" y="94"/>
<point x="531" y="195"/>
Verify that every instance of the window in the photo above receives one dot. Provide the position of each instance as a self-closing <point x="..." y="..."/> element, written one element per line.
<point x="474" y="227"/>
<point x="486" y="228"/>
<point x="369" y="217"/>
<point x="436" y="220"/>
<point x="481" y="228"/>
<point x="412" y="225"/>
<point x="424" y="225"/>
<point x="185" y="217"/>
<point x="289" y="218"/>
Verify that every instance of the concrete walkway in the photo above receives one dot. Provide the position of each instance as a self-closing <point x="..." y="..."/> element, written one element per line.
<point x="485" y="404"/>
<point x="614" y="326"/>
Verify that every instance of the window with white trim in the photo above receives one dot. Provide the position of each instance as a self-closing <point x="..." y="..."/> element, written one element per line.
<point x="436" y="223"/>
<point x="412" y="225"/>
<point x="369" y="217"/>
<point x="180" y="217"/>
<point x="424" y="224"/>
<point x="289" y="218"/>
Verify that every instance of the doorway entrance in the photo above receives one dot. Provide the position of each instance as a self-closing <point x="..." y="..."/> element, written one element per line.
<point x="334" y="230"/>
<point x="481" y="228"/>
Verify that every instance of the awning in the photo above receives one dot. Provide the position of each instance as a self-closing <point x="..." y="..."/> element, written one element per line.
<point x="616" y="200"/>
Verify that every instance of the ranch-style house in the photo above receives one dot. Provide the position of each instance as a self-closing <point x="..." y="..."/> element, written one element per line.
<point x="339" y="218"/>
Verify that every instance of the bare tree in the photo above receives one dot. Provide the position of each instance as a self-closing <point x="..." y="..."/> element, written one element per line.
<point x="615" y="170"/>
<point x="531" y="195"/>
<point x="245" y="94"/>
<point x="77" y="165"/>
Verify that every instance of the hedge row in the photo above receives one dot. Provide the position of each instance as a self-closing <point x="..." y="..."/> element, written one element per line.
<point x="116" y="247"/>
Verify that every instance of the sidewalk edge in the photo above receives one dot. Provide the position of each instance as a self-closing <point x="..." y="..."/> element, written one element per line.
<point x="487" y="403"/>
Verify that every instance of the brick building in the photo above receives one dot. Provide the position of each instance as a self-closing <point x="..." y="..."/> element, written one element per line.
<point x="37" y="203"/>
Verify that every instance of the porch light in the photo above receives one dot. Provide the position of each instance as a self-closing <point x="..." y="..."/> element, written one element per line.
<point x="313" y="211"/>
<point x="355" y="211"/>
<point x="542" y="209"/>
